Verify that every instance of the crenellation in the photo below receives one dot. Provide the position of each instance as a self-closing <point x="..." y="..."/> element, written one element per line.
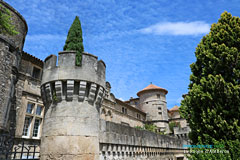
<point x="101" y="69"/>
<point x="50" y="62"/>
<point x="82" y="88"/>
<point x="72" y="97"/>
<point x="66" y="59"/>
<point x="91" y="69"/>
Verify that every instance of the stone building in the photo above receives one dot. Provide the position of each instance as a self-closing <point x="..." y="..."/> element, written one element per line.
<point x="183" y="129"/>
<point x="10" y="56"/>
<point x="117" y="111"/>
<point x="150" y="107"/>
<point x="83" y="114"/>
<point x="30" y="108"/>
<point x="49" y="105"/>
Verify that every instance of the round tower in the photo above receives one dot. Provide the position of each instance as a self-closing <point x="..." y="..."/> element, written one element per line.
<point x="10" y="56"/>
<point x="153" y="102"/>
<point x="72" y="96"/>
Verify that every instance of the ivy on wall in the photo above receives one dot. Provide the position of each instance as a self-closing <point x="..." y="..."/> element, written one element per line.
<point x="6" y="24"/>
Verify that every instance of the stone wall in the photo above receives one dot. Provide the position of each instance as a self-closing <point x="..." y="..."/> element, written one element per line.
<point x="9" y="62"/>
<point x="72" y="97"/>
<point x="27" y="89"/>
<point x="154" y="103"/>
<point x="91" y="70"/>
<point x="122" y="142"/>
<point x="112" y="110"/>
<point x="10" y="56"/>
<point x="20" y="25"/>
<point x="149" y="102"/>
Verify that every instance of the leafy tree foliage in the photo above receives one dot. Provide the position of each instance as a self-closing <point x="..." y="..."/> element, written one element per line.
<point x="173" y="124"/>
<point x="151" y="128"/>
<point x="6" y="26"/>
<point x="75" y="41"/>
<point x="212" y="105"/>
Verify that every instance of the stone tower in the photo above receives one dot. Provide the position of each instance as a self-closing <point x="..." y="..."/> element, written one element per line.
<point x="72" y="96"/>
<point x="152" y="100"/>
<point x="10" y="56"/>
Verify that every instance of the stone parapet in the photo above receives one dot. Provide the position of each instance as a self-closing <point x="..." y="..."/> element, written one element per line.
<point x="20" y="25"/>
<point x="114" y="133"/>
<point x="91" y="70"/>
<point x="123" y="142"/>
<point x="181" y="132"/>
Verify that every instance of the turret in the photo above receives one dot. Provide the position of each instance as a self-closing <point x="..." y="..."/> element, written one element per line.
<point x="153" y="102"/>
<point x="72" y="96"/>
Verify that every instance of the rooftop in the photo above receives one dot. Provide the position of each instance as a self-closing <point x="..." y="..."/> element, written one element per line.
<point x="175" y="108"/>
<point x="152" y="87"/>
<point x="31" y="58"/>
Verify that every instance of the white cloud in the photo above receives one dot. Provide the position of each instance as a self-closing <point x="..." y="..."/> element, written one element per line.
<point x="39" y="37"/>
<point x="121" y="99"/>
<point x="178" y="28"/>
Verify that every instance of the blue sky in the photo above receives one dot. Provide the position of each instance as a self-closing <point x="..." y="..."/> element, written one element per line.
<point x="141" y="41"/>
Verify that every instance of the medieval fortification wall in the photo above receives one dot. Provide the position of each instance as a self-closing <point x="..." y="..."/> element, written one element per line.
<point x="10" y="57"/>
<point x="123" y="142"/>
<point x="72" y="96"/>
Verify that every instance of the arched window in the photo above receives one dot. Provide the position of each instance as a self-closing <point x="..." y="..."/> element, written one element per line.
<point x="109" y="113"/>
<point x="103" y="111"/>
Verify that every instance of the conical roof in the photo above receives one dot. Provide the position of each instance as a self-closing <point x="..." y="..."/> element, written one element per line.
<point x="152" y="87"/>
<point x="175" y="108"/>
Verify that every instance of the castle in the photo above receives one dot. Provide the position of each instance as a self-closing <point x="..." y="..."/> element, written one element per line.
<point x="69" y="112"/>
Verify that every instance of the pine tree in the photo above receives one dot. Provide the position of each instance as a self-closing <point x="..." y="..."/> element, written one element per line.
<point x="212" y="105"/>
<point x="75" y="41"/>
<point x="6" y="26"/>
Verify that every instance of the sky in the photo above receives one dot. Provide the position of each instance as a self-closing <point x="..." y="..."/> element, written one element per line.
<point x="141" y="41"/>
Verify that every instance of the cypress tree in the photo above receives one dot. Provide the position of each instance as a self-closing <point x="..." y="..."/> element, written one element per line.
<point x="212" y="105"/>
<point x="75" y="41"/>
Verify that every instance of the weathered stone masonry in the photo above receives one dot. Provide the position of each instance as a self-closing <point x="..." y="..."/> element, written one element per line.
<point x="10" y="57"/>
<point x="72" y="127"/>
<point x="72" y="97"/>
<point x="121" y="142"/>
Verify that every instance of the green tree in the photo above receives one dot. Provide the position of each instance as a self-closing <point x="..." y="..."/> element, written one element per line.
<point x="6" y="26"/>
<point x="173" y="124"/>
<point x="212" y="105"/>
<point x="75" y="41"/>
<point x="150" y="127"/>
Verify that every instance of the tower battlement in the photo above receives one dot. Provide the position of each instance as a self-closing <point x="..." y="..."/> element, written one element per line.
<point x="91" y="69"/>
<point x="72" y="96"/>
<point x="66" y="81"/>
